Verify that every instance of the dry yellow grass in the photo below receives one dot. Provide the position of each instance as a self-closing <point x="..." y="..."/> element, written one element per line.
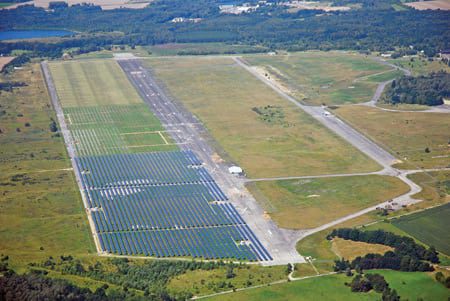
<point x="349" y="249"/>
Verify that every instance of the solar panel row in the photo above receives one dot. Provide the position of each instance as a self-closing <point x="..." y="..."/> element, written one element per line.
<point x="164" y="204"/>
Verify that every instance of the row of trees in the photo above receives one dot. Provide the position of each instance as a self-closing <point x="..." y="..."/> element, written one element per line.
<point x="428" y="89"/>
<point x="407" y="254"/>
<point x="150" y="277"/>
<point x="379" y="29"/>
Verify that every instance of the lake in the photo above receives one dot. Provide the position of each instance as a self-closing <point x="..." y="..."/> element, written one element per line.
<point x="30" y="34"/>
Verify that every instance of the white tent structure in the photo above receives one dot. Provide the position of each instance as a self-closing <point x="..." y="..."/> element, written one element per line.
<point x="235" y="170"/>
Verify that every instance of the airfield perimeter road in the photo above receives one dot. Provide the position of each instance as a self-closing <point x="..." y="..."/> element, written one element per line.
<point x="188" y="132"/>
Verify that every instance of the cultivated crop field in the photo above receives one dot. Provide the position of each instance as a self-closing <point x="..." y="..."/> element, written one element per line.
<point x="429" y="226"/>
<point x="308" y="203"/>
<point x="406" y="135"/>
<point x="230" y="102"/>
<point x="325" y="77"/>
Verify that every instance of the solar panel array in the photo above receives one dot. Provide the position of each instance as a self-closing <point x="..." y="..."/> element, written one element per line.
<point x="164" y="204"/>
<point x="145" y="196"/>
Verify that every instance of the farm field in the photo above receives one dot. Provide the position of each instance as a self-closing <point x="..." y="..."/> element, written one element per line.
<point x="429" y="226"/>
<point x="406" y="135"/>
<point x="41" y="211"/>
<point x="349" y="249"/>
<point x="325" y="77"/>
<point x="259" y="130"/>
<point x="434" y="4"/>
<point x="4" y="60"/>
<point x="308" y="203"/>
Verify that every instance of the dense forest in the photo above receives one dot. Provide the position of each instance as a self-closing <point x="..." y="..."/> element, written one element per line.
<point x="362" y="29"/>
<point x="429" y="89"/>
<point x="407" y="255"/>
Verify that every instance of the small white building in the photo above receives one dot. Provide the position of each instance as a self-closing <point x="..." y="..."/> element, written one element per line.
<point x="235" y="170"/>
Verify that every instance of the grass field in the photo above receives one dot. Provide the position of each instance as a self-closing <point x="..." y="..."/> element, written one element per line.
<point x="419" y="66"/>
<point x="326" y="77"/>
<point x="405" y="134"/>
<point x="349" y="249"/>
<point x="224" y="96"/>
<point x="107" y="117"/>
<point x="327" y="288"/>
<point x="201" y="282"/>
<point x="309" y="203"/>
<point x="435" y="188"/>
<point x="117" y="129"/>
<point x="429" y="226"/>
<point x="410" y="286"/>
<point x="40" y="205"/>
<point x="93" y="82"/>
<point x="415" y="285"/>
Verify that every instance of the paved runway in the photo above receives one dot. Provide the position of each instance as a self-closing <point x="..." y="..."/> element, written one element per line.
<point x="189" y="133"/>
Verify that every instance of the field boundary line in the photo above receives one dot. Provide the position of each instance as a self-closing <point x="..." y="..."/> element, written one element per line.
<point x="162" y="137"/>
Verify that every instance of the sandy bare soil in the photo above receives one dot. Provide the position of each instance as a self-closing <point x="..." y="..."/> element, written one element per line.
<point x="5" y="60"/>
<point x="308" y="5"/>
<point x="105" y="4"/>
<point x="436" y="4"/>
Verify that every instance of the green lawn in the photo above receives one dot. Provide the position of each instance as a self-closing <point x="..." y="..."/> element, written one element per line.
<point x="429" y="226"/>
<point x="325" y="77"/>
<point x="226" y="98"/>
<point x="308" y="203"/>
<point x="415" y="285"/>
<point x="92" y="82"/>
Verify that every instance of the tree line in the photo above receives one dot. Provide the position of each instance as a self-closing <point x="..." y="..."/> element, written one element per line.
<point x="151" y="276"/>
<point x="363" y="29"/>
<point x="430" y="90"/>
<point x="407" y="255"/>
